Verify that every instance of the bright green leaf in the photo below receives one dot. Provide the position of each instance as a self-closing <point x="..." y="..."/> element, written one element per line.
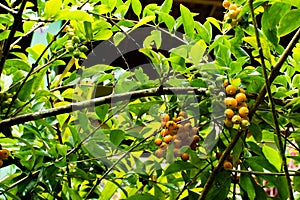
<point x="289" y="22"/>
<point x="188" y="20"/>
<point x="136" y="7"/>
<point x="178" y="166"/>
<point x="273" y="156"/>
<point x="78" y="15"/>
<point x="52" y="7"/>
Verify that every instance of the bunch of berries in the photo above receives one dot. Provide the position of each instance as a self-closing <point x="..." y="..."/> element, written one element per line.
<point x="232" y="12"/>
<point x="6" y="99"/>
<point x="73" y="43"/>
<point x="236" y="107"/>
<point x="4" y="154"/>
<point x="178" y="132"/>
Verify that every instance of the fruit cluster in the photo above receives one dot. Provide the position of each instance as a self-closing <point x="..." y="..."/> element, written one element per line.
<point x="73" y="43"/>
<point x="232" y="12"/>
<point x="6" y="99"/>
<point x="4" y="154"/>
<point x="236" y="107"/>
<point x="228" y="162"/>
<point x="178" y="132"/>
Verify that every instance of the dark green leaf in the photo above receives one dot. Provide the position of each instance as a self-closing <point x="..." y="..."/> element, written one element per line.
<point x="145" y="196"/>
<point x="178" y="166"/>
<point x="117" y="136"/>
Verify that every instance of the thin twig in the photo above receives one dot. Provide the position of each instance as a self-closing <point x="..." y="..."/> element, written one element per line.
<point x="10" y="38"/>
<point x="8" y="9"/>
<point x="271" y="101"/>
<point x="292" y="172"/>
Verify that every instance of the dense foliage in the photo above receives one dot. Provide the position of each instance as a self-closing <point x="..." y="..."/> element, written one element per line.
<point x="119" y="107"/>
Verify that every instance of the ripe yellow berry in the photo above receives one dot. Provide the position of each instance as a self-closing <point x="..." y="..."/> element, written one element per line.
<point x="240" y="98"/>
<point x="158" y="141"/>
<point x="228" y="113"/>
<point x="225" y="83"/>
<point x="228" y="123"/>
<point x="244" y="123"/>
<point x="231" y="90"/>
<point x="233" y="7"/>
<point x="227" y="165"/>
<point x="236" y="119"/>
<point x="230" y="102"/>
<point x="243" y="111"/>
<point x="168" y="138"/>
<point x="226" y="4"/>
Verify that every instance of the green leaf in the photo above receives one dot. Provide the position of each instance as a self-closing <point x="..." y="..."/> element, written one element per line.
<point x="296" y="182"/>
<point x="289" y="22"/>
<point x="88" y="30"/>
<point x="154" y="37"/>
<point x="247" y="185"/>
<point x="272" y="156"/>
<point x="136" y="7"/>
<point x="167" y="19"/>
<point x="78" y="15"/>
<point x="25" y="93"/>
<point x="145" y="196"/>
<point x="197" y="52"/>
<point x="18" y="64"/>
<point x="118" y="38"/>
<point x="141" y="76"/>
<point x="109" y="190"/>
<point x="221" y="187"/>
<point x="178" y="166"/>
<point x="143" y="21"/>
<point x="188" y="20"/>
<point x="101" y="111"/>
<point x="52" y="7"/>
<point x="103" y="35"/>
<point x="214" y="21"/>
<point x="166" y="6"/>
<point x="296" y="81"/>
<point x="37" y="50"/>
<point x="282" y="187"/>
<point x="117" y="136"/>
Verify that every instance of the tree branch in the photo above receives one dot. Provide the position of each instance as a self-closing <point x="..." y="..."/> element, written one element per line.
<point x="98" y="101"/>
<point x="271" y="101"/>
<point x="10" y="38"/>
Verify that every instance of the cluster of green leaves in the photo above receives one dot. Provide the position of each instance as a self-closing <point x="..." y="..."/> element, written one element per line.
<point x="107" y="151"/>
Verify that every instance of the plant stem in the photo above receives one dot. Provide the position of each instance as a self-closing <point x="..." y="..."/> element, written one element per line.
<point x="271" y="101"/>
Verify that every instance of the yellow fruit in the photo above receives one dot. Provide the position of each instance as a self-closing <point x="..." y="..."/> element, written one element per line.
<point x="159" y="153"/>
<point x="230" y="102"/>
<point x="227" y="165"/>
<point x="225" y="83"/>
<point x="4" y="153"/>
<point x="240" y="97"/>
<point x="168" y="138"/>
<point x="233" y="7"/>
<point x="164" y="132"/>
<point x="228" y="113"/>
<point x="171" y="125"/>
<point x="165" y="118"/>
<point x="243" y="104"/>
<point x="226" y="4"/>
<point x="243" y="111"/>
<point x="236" y="119"/>
<point x="185" y="156"/>
<point x="231" y="90"/>
<point x="244" y="124"/>
<point x="158" y="141"/>
<point x="241" y="90"/>
<point x="182" y="114"/>
<point x="228" y="123"/>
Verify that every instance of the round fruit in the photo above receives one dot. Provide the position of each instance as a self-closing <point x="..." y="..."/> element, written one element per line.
<point x="177" y="143"/>
<point x="163" y="145"/>
<point x="226" y="4"/>
<point x="168" y="138"/>
<point x="225" y="83"/>
<point x="241" y="90"/>
<point x="227" y="165"/>
<point x="70" y="48"/>
<point x="164" y="132"/>
<point x="158" y="141"/>
<point x="4" y="153"/>
<point x="182" y="114"/>
<point x="230" y="102"/>
<point x="233" y="7"/>
<point x="244" y="124"/>
<point x="240" y="97"/>
<point x="1" y="163"/>
<point x="185" y="156"/>
<point x="83" y="48"/>
<point x="159" y="153"/>
<point x="243" y="104"/>
<point x="228" y="113"/>
<point x="165" y="118"/>
<point x="76" y="39"/>
<point x="76" y="53"/>
<point x="230" y="157"/>
<point x="196" y="138"/>
<point x="236" y="119"/>
<point x="243" y="111"/>
<point x="231" y="90"/>
<point x="228" y="123"/>
<point x="193" y="146"/>
<point x="171" y="125"/>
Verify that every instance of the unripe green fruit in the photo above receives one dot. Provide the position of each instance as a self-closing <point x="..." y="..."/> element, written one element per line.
<point x="76" y="53"/>
<point x="71" y="34"/>
<point x="83" y="48"/>
<point x="75" y="39"/>
<point x="70" y="48"/>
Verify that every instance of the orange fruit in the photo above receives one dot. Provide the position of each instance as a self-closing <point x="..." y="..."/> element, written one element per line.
<point x="227" y="165"/>
<point x="159" y="153"/>
<point x="164" y="132"/>
<point x="163" y="145"/>
<point x="230" y="102"/>
<point x="228" y="113"/>
<point x="171" y="125"/>
<point x="228" y="123"/>
<point x="168" y="138"/>
<point x="231" y="90"/>
<point x="243" y="111"/>
<point x="241" y="90"/>
<point x="226" y="4"/>
<point x="196" y="138"/>
<point x="1" y="163"/>
<point x="165" y="118"/>
<point x="158" y="141"/>
<point x="225" y="83"/>
<point x="240" y="98"/>
<point x="243" y="104"/>
<point x="233" y="7"/>
<point x="183" y="114"/>
<point x="185" y="156"/>
<point x="4" y="153"/>
<point x="236" y="119"/>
